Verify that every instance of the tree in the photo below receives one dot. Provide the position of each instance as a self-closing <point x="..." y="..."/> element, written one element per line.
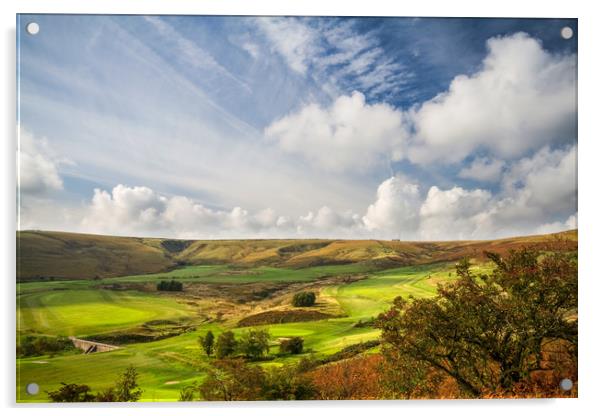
<point x="125" y="389"/>
<point x="225" y="344"/>
<point x="288" y="382"/>
<point x="292" y="345"/>
<point x="254" y="343"/>
<point x="232" y="379"/>
<point x="71" y="393"/>
<point x="127" y="386"/>
<point x="487" y="333"/>
<point x="357" y="378"/>
<point x="304" y="299"/>
<point x="206" y="343"/>
<point x="187" y="393"/>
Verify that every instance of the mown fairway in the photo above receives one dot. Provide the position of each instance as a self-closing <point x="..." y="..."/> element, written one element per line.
<point x="91" y="311"/>
<point x="167" y="365"/>
<point x="261" y="279"/>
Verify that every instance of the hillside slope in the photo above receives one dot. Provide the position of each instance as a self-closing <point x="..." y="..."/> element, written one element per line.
<point x="55" y="255"/>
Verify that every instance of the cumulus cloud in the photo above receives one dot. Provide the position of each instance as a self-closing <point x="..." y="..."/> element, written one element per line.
<point x="453" y="214"/>
<point x="483" y="169"/>
<point x="396" y="209"/>
<point x="557" y="226"/>
<point x="350" y="134"/>
<point x="38" y="168"/>
<point x="327" y="223"/>
<point x="142" y="211"/>
<point x="522" y="98"/>
<point x="538" y="196"/>
<point x="535" y="192"/>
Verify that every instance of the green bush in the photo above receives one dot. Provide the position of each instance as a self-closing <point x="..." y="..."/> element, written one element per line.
<point x="170" y="286"/>
<point x="304" y="299"/>
<point x="31" y="346"/>
<point x="292" y="345"/>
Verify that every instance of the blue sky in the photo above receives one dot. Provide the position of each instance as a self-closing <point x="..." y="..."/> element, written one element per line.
<point x="213" y="127"/>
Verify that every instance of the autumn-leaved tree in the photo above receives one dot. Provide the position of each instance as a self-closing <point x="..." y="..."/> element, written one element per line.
<point x="487" y="333"/>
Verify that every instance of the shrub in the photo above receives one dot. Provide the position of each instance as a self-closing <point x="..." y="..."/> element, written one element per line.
<point x="71" y="393"/>
<point x="354" y="379"/>
<point x="304" y="299"/>
<point x="292" y="345"/>
<point x="170" y="286"/>
<point x="30" y="345"/>
<point x="233" y="379"/>
<point x="125" y="389"/>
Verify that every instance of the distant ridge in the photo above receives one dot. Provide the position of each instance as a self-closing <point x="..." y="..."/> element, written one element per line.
<point x="48" y="255"/>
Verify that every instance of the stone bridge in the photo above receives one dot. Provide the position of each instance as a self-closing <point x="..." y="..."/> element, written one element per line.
<point x="90" y="346"/>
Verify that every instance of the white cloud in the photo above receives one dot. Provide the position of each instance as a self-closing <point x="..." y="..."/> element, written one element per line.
<point x="483" y="169"/>
<point x="557" y="226"/>
<point x="350" y="134"/>
<point x="335" y="55"/>
<point x="252" y="48"/>
<point x="328" y="223"/>
<point x="544" y="184"/>
<point x="38" y="168"/>
<point x="453" y="214"/>
<point x="190" y="52"/>
<point x="295" y="41"/>
<point x="396" y="209"/>
<point x="522" y="98"/>
<point x="536" y="192"/>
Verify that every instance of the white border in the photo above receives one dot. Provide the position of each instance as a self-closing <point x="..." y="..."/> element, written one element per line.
<point x="589" y="200"/>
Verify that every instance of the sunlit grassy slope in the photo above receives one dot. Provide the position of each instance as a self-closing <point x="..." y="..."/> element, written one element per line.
<point x="84" y="306"/>
<point x="53" y="255"/>
<point x="91" y="311"/>
<point x="167" y="365"/>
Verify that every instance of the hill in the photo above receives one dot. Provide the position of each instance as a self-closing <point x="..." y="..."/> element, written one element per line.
<point x="44" y="255"/>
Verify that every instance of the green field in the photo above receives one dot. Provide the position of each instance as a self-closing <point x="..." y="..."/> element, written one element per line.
<point x="165" y="366"/>
<point x="354" y="282"/>
<point x="85" y="312"/>
<point x="227" y="274"/>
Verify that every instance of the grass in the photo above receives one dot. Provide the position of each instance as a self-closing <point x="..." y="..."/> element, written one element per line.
<point x="87" y="312"/>
<point x="228" y="274"/>
<point x="82" y="307"/>
<point x="168" y="365"/>
<point x="42" y="256"/>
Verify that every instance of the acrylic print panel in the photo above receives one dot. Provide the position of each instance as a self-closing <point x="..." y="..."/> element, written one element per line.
<point x="267" y="208"/>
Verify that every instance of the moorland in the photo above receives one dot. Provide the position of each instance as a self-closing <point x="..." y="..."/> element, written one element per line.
<point x="120" y="291"/>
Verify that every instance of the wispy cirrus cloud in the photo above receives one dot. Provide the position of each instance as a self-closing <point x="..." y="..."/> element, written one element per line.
<point x="191" y="53"/>
<point x="334" y="53"/>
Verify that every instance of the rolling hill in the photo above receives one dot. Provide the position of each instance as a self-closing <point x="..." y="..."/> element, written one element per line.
<point x="45" y="255"/>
